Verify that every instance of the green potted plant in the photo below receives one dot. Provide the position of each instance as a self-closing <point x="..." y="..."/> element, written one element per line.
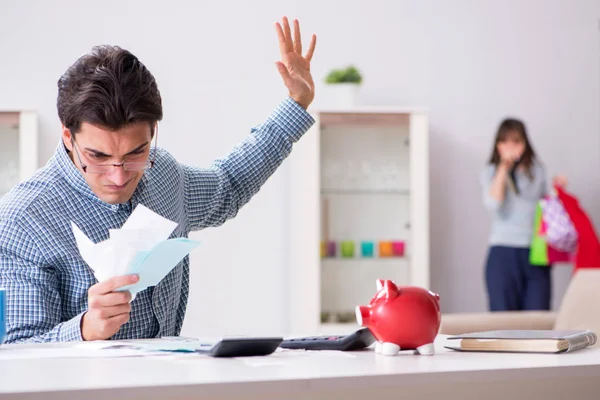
<point x="342" y="86"/>
<point x="350" y="74"/>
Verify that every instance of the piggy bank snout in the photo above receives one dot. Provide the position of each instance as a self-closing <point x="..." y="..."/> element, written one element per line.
<point x="363" y="315"/>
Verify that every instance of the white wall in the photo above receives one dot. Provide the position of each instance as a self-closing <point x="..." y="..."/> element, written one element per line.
<point x="9" y="156"/>
<point x="470" y="62"/>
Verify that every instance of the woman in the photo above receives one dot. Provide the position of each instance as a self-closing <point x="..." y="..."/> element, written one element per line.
<point x="513" y="183"/>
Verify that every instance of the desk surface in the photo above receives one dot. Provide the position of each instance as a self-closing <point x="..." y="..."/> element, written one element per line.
<point x="282" y="372"/>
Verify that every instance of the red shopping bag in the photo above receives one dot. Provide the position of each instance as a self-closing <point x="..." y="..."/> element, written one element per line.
<point x="587" y="254"/>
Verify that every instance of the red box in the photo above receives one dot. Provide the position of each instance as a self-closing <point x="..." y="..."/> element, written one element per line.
<point x="398" y="248"/>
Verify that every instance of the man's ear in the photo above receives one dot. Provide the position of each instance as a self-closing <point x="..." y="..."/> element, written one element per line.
<point x="66" y="138"/>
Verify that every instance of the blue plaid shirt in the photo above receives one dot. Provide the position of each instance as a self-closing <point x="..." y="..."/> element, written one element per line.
<point x="46" y="279"/>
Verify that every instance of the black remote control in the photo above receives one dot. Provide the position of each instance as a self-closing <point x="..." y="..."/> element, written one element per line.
<point x="357" y="340"/>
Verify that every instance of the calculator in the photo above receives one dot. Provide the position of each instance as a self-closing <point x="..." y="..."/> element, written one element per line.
<point x="243" y="347"/>
<point x="357" y="340"/>
<point x="221" y="347"/>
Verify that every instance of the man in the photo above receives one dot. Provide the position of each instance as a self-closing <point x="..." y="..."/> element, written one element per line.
<point x="105" y="165"/>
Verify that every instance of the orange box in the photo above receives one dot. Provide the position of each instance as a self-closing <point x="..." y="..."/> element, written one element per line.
<point x="385" y="249"/>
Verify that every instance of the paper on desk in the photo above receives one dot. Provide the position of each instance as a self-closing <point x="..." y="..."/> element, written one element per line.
<point x="16" y="353"/>
<point x="142" y="246"/>
<point x="155" y="346"/>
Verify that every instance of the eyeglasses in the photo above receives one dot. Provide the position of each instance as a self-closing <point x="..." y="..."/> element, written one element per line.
<point x="107" y="168"/>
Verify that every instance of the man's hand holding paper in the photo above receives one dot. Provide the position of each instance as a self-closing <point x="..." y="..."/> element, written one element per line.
<point x="108" y="309"/>
<point x="135" y="257"/>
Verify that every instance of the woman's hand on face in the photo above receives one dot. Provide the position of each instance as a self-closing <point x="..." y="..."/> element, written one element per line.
<point x="508" y="154"/>
<point x="519" y="151"/>
<point x="560" y="180"/>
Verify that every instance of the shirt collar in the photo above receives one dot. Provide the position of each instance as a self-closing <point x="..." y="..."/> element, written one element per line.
<point x="75" y="179"/>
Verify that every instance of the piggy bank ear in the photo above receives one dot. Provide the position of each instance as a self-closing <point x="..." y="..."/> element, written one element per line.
<point x="390" y="289"/>
<point x="379" y="284"/>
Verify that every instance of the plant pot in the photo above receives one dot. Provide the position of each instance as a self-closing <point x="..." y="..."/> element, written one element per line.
<point x="338" y="95"/>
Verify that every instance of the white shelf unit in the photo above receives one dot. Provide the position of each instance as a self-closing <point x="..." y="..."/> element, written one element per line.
<point x="359" y="175"/>
<point x="18" y="147"/>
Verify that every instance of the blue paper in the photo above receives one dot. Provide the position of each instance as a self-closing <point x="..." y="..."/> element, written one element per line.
<point x="152" y="266"/>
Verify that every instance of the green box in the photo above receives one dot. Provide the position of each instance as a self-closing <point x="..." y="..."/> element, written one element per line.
<point x="347" y="248"/>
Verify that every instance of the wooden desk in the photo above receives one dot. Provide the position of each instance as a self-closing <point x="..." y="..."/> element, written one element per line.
<point x="309" y="375"/>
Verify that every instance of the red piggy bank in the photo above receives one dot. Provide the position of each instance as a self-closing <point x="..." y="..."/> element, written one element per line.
<point x="402" y="318"/>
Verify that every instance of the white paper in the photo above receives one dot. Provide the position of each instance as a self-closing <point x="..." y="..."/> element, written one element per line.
<point x="140" y="246"/>
<point x="152" y="345"/>
<point x="70" y="352"/>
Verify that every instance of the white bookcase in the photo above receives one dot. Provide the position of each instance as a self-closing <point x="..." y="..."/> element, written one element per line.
<point x="359" y="211"/>
<point x="18" y="147"/>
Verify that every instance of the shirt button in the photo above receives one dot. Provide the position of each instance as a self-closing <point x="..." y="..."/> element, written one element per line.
<point x="115" y="207"/>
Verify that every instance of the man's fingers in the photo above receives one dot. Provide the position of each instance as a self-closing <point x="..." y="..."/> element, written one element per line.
<point x="281" y="39"/>
<point x="311" y="47"/>
<point x="110" y="312"/>
<point x="120" y="319"/>
<point x="297" y="38"/>
<point x="110" y="285"/>
<point x="111" y="325"/>
<point x="110" y="299"/>
<point x="284" y="37"/>
<point x="288" y="34"/>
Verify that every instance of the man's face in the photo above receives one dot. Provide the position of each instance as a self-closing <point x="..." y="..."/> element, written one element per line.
<point x="97" y="146"/>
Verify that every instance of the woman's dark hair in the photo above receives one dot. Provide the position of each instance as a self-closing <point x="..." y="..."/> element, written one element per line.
<point x="109" y="88"/>
<point x="508" y="127"/>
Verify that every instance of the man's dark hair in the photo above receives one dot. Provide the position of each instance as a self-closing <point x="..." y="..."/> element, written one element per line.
<point x="109" y="88"/>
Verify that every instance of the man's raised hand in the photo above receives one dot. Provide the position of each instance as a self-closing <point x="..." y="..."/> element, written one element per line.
<point x="294" y="67"/>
